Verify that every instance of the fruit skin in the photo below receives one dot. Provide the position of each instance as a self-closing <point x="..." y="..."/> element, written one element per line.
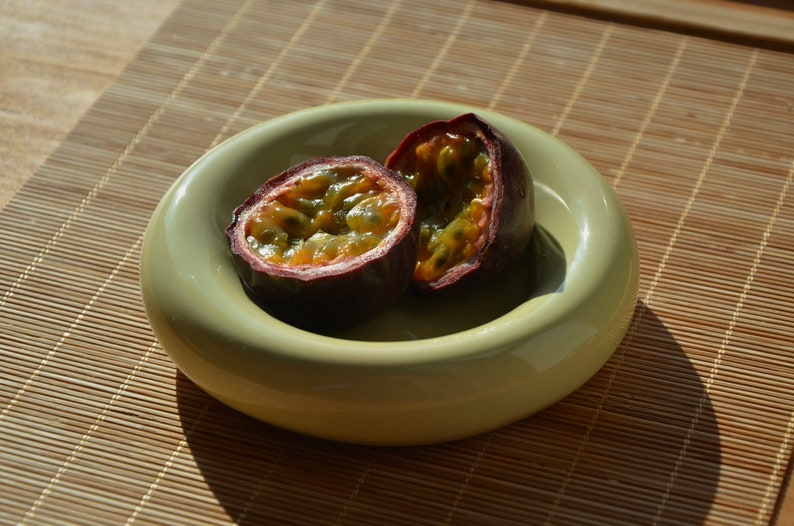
<point x="512" y="219"/>
<point x="325" y="298"/>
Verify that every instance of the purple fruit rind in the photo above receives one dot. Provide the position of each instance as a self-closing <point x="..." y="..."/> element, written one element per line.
<point x="329" y="297"/>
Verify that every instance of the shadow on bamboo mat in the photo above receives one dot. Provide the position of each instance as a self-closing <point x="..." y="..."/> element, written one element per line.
<point x="636" y="444"/>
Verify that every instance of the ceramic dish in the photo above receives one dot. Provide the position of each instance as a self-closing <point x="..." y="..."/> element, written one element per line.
<point x="422" y="372"/>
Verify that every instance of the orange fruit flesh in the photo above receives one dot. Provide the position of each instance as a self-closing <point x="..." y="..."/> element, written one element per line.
<point x="452" y="177"/>
<point x="323" y="217"/>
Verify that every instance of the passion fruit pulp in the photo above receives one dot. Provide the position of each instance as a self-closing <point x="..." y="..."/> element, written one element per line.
<point x="328" y="243"/>
<point x="475" y="201"/>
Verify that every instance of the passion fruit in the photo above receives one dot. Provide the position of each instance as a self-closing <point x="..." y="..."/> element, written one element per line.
<point x="328" y="243"/>
<point x="475" y="201"/>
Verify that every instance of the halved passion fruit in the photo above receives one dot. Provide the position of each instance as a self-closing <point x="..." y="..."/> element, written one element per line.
<point x="475" y="200"/>
<point x="328" y="243"/>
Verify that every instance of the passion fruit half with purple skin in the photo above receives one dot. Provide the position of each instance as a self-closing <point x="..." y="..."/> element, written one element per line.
<point x="475" y="201"/>
<point x="328" y="243"/>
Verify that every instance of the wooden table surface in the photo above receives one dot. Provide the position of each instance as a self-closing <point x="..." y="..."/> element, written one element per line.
<point x="57" y="57"/>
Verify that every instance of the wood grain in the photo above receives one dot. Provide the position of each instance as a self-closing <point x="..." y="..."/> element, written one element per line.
<point x="56" y="59"/>
<point x="758" y="22"/>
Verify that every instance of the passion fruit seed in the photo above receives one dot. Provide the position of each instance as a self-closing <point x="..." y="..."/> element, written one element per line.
<point x="321" y="217"/>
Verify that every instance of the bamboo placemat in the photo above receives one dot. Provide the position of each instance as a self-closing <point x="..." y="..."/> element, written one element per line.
<point x="690" y="422"/>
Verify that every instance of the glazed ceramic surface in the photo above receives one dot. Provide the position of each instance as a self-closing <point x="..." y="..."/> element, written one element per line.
<point x="426" y="370"/>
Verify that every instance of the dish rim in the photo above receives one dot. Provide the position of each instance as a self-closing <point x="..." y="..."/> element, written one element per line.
<point x="507" y="330"/>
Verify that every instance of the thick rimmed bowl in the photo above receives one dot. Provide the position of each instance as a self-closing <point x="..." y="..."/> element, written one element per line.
<point x="425" y="371"/>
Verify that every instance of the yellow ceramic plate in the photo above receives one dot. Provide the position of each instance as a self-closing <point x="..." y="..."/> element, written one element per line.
<point x="424" y="371"/>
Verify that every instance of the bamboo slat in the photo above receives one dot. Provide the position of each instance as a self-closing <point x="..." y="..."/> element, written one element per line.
<point x="690" y="422"/>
